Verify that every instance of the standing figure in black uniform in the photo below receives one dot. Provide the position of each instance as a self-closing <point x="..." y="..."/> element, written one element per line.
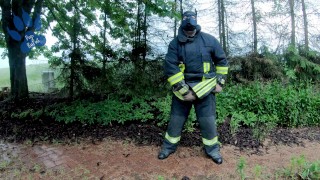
<point x="195" y="66"/>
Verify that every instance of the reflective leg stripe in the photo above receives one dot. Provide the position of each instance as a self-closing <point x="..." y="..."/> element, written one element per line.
<point x="210" y="142"/>
<point x="173" y="140"/>
<point x="222" y="70"/>
<point x="176" y="78"/>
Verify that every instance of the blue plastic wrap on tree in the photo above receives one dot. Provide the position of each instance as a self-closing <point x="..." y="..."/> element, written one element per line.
<point x="37" y="23"/>
<point x="14" y="34"/>
<point x="26" y="19"/>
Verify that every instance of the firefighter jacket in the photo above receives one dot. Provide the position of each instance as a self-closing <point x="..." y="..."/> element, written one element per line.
<point x="198" y="63"/>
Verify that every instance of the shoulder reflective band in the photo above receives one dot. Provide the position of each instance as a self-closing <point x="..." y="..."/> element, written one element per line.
<point x="176" y="78"/>
<point x="210" y="142"/>
<point x="173" y="140"/>
<point x="222" y="70"/>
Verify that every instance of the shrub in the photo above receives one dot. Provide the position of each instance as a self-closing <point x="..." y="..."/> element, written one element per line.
<point x="103" y="112"/>
<point x="289" y="106"/>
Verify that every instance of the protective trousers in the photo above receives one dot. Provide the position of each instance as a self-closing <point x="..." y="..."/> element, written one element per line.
<point x="205" y="110"/>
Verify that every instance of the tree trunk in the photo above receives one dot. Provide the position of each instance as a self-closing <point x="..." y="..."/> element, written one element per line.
<point x="175" y="19"/>
<point x="293" y="27"/>
<point x="75" y="51"/>
<point x="223" y="27"/>
<point x="220" y="20"/>
<point x="145" y="28"/>
<point x="17" y="59"/>
<point x="136" y="48"/>
<point x="18" y="75"/>
<point x="104" y="55"/>
<point x="254" y="20"/>
<point x="305" y="21"/>
<point x="181" y="9"/>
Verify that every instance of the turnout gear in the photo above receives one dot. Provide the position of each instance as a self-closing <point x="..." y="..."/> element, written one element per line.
<point x="194" y="65"/>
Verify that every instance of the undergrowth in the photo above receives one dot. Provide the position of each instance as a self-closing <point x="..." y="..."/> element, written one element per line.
<point x="260" y="106"/>
<point x="299" y="168"/>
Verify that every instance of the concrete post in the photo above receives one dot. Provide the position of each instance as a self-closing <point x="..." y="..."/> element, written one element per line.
<point x="48" y="80"/>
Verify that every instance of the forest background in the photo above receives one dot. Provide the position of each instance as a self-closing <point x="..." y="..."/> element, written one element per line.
<point x="109" y="56"/>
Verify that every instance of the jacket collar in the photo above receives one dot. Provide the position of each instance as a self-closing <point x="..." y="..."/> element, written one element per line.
<point x="183" y="38"/>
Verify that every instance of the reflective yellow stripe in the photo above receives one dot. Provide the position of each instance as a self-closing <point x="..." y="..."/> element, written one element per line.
<point x="184" y="90"/>
<point x="202" y="84"/>
<point x="176" y="78"/>
<point x="210" y="142"/>
<point x="222" y="70"/>
<point x="182" y="67"/>
<point x="208" y="87"/>
<point x="206" y="67"/>
<point x="178" y="95"/>
<point x="173" y="140"/>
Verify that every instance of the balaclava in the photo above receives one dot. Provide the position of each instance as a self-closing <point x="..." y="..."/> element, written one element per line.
<point x="189" y="21"/>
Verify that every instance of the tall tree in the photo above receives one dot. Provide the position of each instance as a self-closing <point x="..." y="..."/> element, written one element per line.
<point x="174" y="9"/>
<point x="222" y="25"/>
<point x="15" y="25"/>
<point x="305" y="22"/>
<point x="293" y="23"/>
<point x="254" y="20"/>
<point x="74" y="40"/>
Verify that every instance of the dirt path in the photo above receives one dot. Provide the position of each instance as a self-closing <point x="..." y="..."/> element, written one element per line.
<point x="114" y="159"/>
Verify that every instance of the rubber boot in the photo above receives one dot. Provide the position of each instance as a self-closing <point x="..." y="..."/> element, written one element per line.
<point x="214" y="153"/>
<point x="167" y="149"/>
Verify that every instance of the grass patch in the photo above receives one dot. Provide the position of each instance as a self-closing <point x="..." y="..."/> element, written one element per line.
<point x="34" y="76"/>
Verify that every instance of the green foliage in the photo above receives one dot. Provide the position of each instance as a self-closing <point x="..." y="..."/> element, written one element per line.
<point x="4" y="164"/>
<point x="301" y="169"/>
<point x="189" y="126"/>
<point x="304" y="64"/>
<point x="28" y="113"/>
<point x="163" y="105"/>
<point x="255" y="67"/>
<point x="132" y="80"/>
<point x="258" y="106"/>
<point x="241" y="165"/>
<point x="103" y="112"/>
<point x="257" y="172"/>
<point x="269" y="104"/>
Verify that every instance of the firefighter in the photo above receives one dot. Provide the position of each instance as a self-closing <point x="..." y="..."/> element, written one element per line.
<point x="196" y="68"/>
